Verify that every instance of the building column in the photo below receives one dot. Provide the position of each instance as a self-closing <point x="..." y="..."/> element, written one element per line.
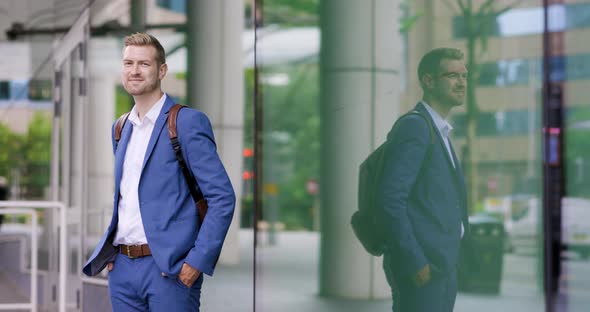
<point x="101" y="181"/>
<point x="361" y="52"/>
<point x="216" y="87"/>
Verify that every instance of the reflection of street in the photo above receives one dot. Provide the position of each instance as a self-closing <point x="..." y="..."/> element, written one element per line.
<point x="521" y="289"/>
<point x="575" y="283"/>
<point x="288" y="281"/>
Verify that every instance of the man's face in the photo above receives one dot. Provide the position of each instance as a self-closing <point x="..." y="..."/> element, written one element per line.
<point x="141" y="73"/>
<point x="449" y="85"/>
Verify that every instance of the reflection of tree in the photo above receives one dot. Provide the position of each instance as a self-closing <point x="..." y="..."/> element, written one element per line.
<point x="288" y="12"/>
<point x="295" y="110"/>
<point x="291" y="136"/>
<point x="479" y="24"/>
<point x="578" y="166"/>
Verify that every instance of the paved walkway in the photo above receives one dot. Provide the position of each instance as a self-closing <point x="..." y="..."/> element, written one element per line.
<point x="9" y="293"/>
<point x="287" y="280"/>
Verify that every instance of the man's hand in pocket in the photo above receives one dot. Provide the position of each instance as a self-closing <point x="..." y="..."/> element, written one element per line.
<point x="422" y="277"/>
<point x="188" y="275"/>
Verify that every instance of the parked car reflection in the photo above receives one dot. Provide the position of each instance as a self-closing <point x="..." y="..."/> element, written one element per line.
<point x="575" y="225"/>
<point x="522" y="216"/>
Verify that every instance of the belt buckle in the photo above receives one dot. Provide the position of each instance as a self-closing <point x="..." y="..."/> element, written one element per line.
<point x="129" y="253"/>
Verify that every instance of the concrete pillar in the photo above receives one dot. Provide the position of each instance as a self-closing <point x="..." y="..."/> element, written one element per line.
<point x="216" y="87"/>
<point x="360" y="98"/>
<point x="138" y="15"/>
<point x="101" y="162"/>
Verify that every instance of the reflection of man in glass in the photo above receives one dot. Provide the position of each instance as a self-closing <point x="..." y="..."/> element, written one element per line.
<point x="423" y="192"/>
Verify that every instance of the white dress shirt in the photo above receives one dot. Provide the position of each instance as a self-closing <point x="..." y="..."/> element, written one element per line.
<point x="130" y="229"/>
<point x="444" y="128"/>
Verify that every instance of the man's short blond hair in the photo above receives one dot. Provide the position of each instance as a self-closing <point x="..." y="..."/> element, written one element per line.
<point x="143" y="39"/>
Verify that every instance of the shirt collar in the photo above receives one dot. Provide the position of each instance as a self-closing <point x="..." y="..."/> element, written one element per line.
<point x="443" y="126"/>
<point x="151" y="115"/>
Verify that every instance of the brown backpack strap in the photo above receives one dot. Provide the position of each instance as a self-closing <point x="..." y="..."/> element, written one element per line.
<point x="172" y="116"/>
<point x="119" y="126"/>
<point x="193" y="185"/>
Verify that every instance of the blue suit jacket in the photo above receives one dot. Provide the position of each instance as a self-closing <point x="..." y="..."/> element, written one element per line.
<point x="424" y="199"/>
<point x="168" y="212"/>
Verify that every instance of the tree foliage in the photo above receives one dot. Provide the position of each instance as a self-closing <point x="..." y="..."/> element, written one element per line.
<point x="37" y="155"/>
<point x="10" y="153"/>
<point x="478" y="22"/>
<point x="290" y="138"/>
<point x="27" y="155"/>
<point x="291" y="12"/>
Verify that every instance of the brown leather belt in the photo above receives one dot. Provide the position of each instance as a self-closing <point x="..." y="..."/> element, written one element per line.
<point x="135" y="251"/>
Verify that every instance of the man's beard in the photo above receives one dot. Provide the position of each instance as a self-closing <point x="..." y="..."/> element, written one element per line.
<point x="151" y="86"/>
<point x="452" y="99"/>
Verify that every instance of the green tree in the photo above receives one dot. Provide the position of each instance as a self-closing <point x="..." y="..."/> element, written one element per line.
<point x="578" y="164"/>
<point x="479" y="23"/>
<point x="291" y="12"/>
<point x="291" y="138"/>
<point x="577" y="143"/>
<point x="37" y="154"/>
<point x="10" y="153"/>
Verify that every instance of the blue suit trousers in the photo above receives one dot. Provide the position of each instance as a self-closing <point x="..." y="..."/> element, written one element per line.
<point x="438" y="294"/>
<point x="136" y="284"/>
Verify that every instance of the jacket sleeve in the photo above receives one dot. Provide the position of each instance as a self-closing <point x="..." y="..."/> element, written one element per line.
<point x="404" y="156"/>
<point x="200" y="152"/>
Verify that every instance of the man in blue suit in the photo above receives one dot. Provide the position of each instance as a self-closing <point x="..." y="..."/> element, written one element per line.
<point x="155" y="247"/>
<point x="424" y="193"/>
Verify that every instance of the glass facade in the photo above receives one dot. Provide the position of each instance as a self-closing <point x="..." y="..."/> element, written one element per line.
<point x="575" y="234"/>
<point x="324" y="82"/>
<point x="529" y="20"/>
<point x="318" y="131"/>
<point x="519" y="71"/>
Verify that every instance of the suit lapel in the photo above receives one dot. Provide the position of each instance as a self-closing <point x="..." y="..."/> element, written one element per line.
<point x="440" y="140"/>
<point x="160" y="122"/>
<point x="460" y="182"/>
<point x="458" y="170"/>
<point x="457" y="165"/>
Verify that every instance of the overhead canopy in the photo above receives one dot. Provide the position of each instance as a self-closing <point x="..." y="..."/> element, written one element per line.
<point x="275" y="46"/>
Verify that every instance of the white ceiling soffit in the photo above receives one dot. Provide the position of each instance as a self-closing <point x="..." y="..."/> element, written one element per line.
<point x="275" y="46"/>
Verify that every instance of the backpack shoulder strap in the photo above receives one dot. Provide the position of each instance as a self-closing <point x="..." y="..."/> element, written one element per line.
<point x="432" y="135"/>
<point x="193" y="185"/>
<point x="172" y="117"/>
<point x="430" y="126"/>
<point x="119" y="126"/>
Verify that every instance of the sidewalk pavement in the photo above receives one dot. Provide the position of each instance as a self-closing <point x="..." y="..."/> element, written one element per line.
<point x="288" y="281"/>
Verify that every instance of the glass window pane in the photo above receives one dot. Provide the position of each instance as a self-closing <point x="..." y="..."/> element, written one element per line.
<point x="324" y="115"/>
<point x="575" y="206"/>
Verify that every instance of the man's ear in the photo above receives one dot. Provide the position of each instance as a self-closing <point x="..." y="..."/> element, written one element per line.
<point x="428" y="81"/>
<point x="163" y="70"/>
